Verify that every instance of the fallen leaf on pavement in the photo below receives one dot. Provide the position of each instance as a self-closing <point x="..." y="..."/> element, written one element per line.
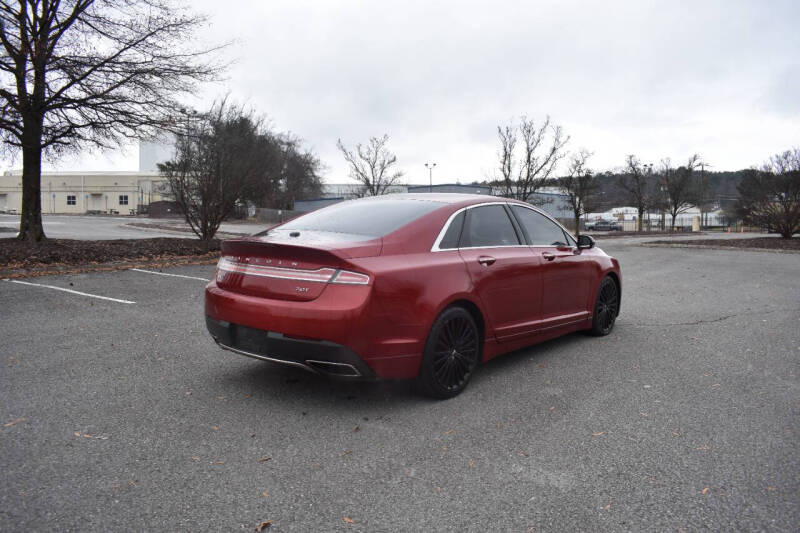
<point x="264" y="459"/>
<point x="195" y="458"/>
<point x="472" y="463"/>
<point x="553" y="408"/>
<point x="347" y="452"/>
<point x="264" y="494"/>
<point x="607" y="507"/>
<point x="541" y="365"/>
<point x="704" y="491"/>
<point x="215" y="428"/>
<point x="598" y="434"/>
<point x="14" y="422"/>
<point x="449" y="432"/>
<point x="263" y="525"/>
<point x="357" y="428"/>
<point x="770" y="489"/>
<point x="524" y="454"/>
<point x="219" y="462"/>
<point x="703" y="447"/>
<point x="348" y="520"/>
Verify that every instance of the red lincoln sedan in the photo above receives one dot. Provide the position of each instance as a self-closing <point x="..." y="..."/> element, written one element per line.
<point x="422" y="286"/>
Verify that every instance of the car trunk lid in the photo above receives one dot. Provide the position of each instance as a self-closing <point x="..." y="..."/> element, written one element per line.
<point x="295" y="266"/>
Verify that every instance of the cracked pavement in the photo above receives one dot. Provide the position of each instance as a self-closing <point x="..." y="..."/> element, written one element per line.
<point x="127" y="417"/>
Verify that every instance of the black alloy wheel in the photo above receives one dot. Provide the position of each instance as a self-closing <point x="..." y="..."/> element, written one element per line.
<point x="606" y="307"/>
<point x="452" y="352"/>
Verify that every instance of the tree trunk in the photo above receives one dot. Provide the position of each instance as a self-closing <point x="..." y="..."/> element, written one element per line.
<point x="577" y="225"/>
<point x="639" y="221"/>
<point x="30" y="222"/>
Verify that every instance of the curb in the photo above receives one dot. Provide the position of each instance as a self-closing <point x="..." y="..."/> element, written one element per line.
<point x="189" y="232"/>
<point x="182" y="260"/>
<point x="717" y="247"/>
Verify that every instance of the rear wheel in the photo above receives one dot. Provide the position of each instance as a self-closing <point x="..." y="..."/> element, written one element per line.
<point x="606" y="307"/>
<point x="451" y="355"/>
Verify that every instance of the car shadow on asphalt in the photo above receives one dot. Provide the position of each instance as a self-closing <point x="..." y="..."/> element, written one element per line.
<point x="290" y="385"/>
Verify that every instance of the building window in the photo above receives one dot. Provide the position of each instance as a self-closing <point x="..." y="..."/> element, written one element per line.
<point x="70" y="199"/>
<point x="123" y="199"/>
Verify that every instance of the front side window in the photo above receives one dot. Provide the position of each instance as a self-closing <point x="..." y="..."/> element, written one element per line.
<point x="488" y="225"/>
<point x="541" y="230"/>
<point x="123" y="199"/>
<point x="70" y="199"/>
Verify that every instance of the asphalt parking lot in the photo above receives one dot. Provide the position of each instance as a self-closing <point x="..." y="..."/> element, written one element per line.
<point x="121" y="414"/>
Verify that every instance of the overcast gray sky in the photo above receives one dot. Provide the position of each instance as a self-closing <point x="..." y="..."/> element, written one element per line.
<point x="657" y="79"/>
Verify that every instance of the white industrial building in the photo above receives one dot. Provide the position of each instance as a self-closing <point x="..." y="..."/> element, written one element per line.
<point x="82" y="192"/>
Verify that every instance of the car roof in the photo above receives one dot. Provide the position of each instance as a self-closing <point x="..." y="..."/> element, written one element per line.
<point x="444" y="198"/>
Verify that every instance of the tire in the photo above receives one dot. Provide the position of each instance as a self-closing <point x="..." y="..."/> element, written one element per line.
<point x="452" y="353"/>
<point x="606" y="307"/>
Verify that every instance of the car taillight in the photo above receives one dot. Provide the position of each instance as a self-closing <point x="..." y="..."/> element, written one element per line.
<point x="350" y="278"/>
<point x="324" y="275"/>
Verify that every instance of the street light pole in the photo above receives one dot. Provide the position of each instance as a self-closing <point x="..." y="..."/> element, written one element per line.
<point x="430" y="166"/>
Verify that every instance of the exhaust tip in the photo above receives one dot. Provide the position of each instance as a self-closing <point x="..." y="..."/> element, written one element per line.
<point x="334" y="369"/>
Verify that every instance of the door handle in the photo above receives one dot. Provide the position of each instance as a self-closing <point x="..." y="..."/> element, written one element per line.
<point x="485" y="260"/>
<point x="548" y="256"/>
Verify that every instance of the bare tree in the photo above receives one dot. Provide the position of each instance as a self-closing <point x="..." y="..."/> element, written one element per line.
<point x="770" y="196"/>
<point x="541" y="148"/>
<point x="580" y="186"/>
<point x="218" y="157"/>
<point x="636" y="182"/>
<point x="679" y="187"/>
<point x="89" y="73"/>
<point x="371" y="165"/>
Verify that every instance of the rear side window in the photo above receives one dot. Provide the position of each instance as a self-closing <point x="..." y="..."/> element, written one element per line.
<point x="541" y="230"/>
<point x="488" y="225"/>
<point x="371" y="218"/>
<point x="450" y="239"/>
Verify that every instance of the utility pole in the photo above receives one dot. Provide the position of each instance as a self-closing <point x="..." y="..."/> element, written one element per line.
<point x="702" y="199"/>
<point x="648" y="171"/>
<point x="430" y="166"/>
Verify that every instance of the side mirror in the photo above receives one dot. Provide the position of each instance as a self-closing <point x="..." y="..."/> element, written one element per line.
<point x="585" y="241"/>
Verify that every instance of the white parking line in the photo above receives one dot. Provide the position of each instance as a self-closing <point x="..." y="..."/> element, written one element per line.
<point x="70" y="291"/>
<point x="171" y="275"/>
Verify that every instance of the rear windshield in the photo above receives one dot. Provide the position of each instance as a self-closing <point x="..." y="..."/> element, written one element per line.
<point x="371" y="218"/>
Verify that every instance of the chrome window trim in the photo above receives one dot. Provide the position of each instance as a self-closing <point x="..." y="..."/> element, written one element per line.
<point x="446" y="226"/>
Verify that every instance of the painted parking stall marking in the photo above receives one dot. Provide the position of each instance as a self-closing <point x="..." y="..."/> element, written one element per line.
<point x="170" y="275"/>
<point x="79" y="293"/>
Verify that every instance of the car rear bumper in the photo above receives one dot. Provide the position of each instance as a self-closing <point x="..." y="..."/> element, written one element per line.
<point x="317" y="356"/>
<point x="342" y="323"/>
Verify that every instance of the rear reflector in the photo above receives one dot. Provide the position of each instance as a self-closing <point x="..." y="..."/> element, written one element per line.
<point x="322" y="275"/>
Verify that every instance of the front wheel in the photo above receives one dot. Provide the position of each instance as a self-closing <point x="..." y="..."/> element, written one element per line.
<point x="606" y="307"/>
<point x="451" y="355"/>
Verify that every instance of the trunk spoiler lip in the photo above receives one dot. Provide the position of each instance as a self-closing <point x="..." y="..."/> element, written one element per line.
<point x="369" y="248"/>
